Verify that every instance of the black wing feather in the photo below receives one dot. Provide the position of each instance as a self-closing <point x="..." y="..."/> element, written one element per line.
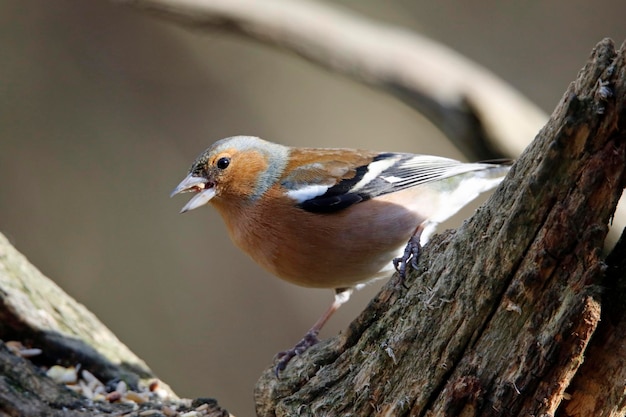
<point x="405" y="171"/>
<point x="331" y="204"/>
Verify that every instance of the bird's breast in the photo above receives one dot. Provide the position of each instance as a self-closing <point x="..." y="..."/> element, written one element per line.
<point x="321" y="250"/>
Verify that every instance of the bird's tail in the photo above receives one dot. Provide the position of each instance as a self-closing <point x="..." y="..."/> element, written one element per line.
<point x="484" y="177"/>
<point x="496" y="169"/>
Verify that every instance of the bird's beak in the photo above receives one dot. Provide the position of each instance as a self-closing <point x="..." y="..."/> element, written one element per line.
<point x="204" y="190"/>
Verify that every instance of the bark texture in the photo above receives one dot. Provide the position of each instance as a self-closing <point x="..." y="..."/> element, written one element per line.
<point x="598" y="387"/>
<point x="498" y="315"/>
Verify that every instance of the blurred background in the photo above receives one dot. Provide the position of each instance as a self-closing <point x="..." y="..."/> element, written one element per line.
<point x="103" y="109"/>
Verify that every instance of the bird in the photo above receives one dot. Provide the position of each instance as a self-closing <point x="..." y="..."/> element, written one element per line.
<point x="332" y="218"/>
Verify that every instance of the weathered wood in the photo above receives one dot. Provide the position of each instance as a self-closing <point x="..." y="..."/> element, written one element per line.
<point x="26" y="391"/>
<point x="34" y="308"/>
<point x="497" y="317"/>
<point x="596" y="389"/>
<point x="36" y="312"/>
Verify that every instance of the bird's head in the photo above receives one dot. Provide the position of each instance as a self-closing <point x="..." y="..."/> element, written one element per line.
<point x="237" y="170"/>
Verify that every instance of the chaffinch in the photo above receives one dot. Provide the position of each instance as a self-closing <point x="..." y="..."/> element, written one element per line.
<point x="330" y="218"/>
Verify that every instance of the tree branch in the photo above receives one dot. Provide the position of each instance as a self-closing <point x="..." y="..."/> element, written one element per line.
<point x="480" y="113"/>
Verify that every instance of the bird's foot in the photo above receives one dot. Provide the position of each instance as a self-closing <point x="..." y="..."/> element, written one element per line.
<point x="285" y="356"/>
<point x="411" y="254"/>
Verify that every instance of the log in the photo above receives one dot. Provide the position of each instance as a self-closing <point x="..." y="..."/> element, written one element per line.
<point x="498" y="314"/>
<point x="35" y="309"/>
<point x="39" y="314"/>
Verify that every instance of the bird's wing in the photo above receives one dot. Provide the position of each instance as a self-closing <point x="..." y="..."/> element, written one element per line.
<point x="333" y="185"/>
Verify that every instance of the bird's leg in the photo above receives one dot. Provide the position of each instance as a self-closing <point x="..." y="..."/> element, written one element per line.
<point x="411" y="253"/>
<point x="342" y="295"/>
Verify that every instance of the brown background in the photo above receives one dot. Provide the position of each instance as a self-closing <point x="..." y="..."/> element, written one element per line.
<point x="103" y="109"/>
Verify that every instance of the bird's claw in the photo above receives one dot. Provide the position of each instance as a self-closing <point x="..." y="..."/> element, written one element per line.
<point x="285" y="356"/>
<point x="411" y="254"/>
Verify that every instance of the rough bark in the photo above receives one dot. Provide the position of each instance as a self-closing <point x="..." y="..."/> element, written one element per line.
<point x="595" y="389"/>
<point x="26" y="391"/>
<point x="497" y="317"/>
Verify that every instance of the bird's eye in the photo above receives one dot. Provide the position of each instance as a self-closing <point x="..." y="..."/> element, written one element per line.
<point x="223" y="162"/>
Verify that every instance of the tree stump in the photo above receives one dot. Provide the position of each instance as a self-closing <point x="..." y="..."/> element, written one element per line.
<point x="499" y="313"/>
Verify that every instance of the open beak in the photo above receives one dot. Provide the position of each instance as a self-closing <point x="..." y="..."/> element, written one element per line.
<point x="204" y="190"/>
